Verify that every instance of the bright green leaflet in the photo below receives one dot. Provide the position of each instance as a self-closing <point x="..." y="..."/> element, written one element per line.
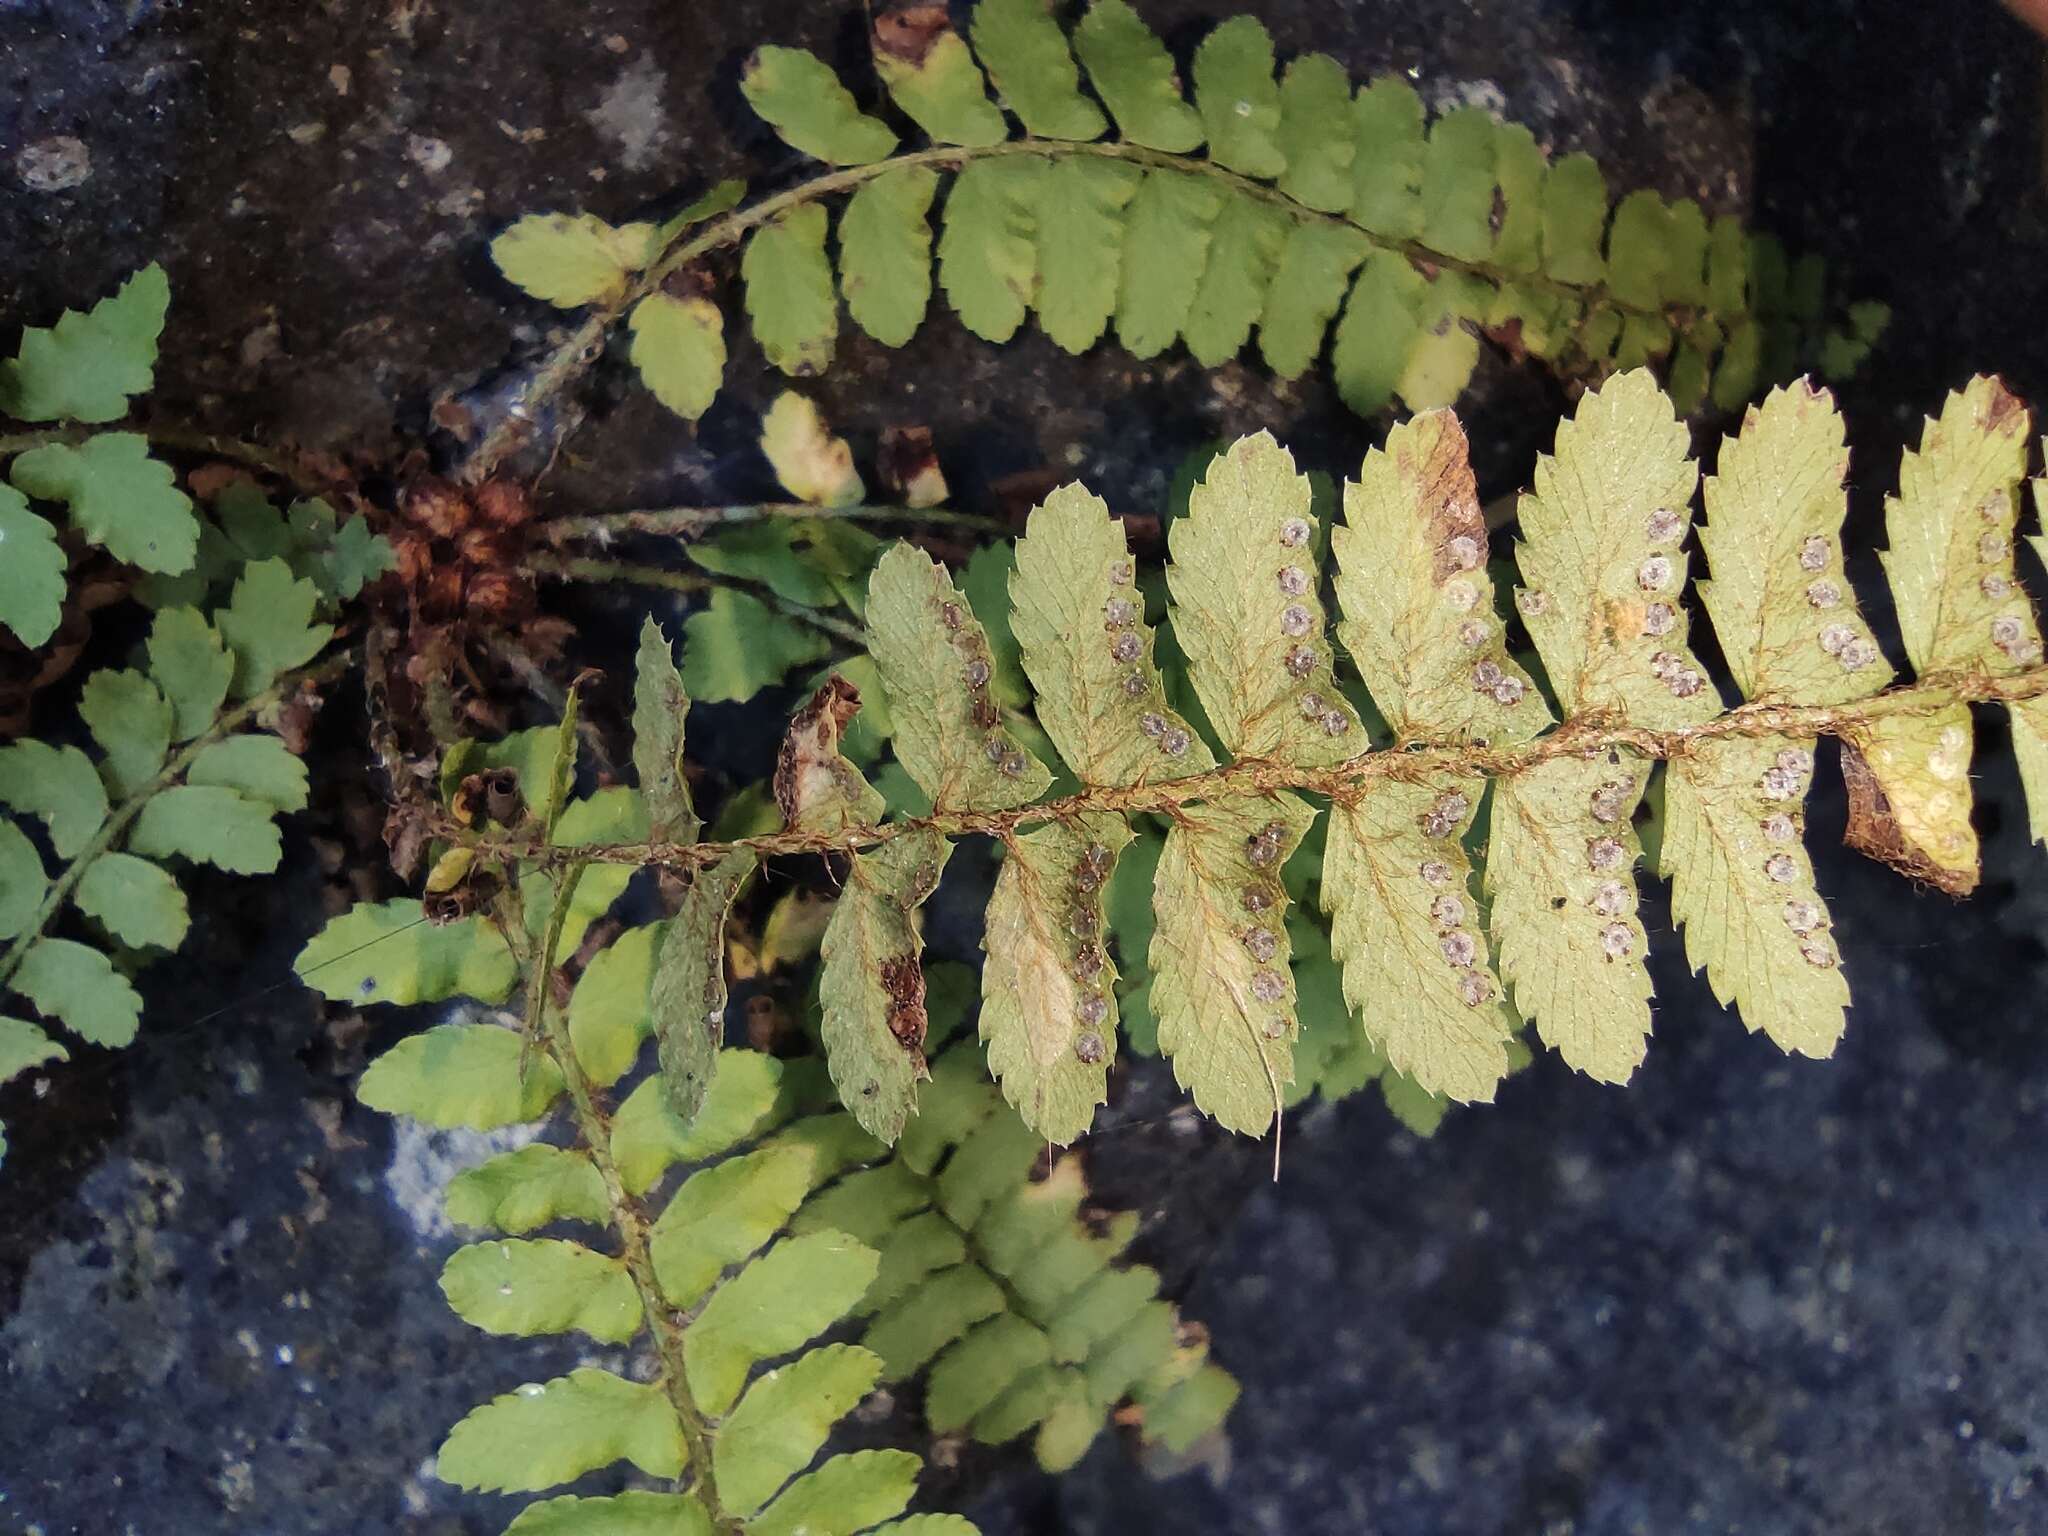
<point x="78" y="985"/>
<point x="132" y="723"/>
<point x="119" y="497"/>
<point x="783" y="1299"/>
<point x="137" y="901"/>
<point x="387" y="952"/>
<point x="736" y="645"/>
<point x="532" y="1286"/>
<point x="57" y="784"/>
<point x="1080" y="247"/>
<point x="988" y="256"/>
<point x="1026" y="56"/>
<point x="209" y="825"/>
<point x="1314" y="135"/>
<point x="23" y="884"/>
<point x="785" y="1418"/>
<point x="1167" y="230"/>
<point x="31" y="574"/>
<point x="1308" y="289"/>
<point x="261" y="767"/>
<point x="569" y="260"/>
<point x="885" y="253"/>
<point x="86" y="366"/>
<point x="529" y="1440"/>
<point x="461" y="1075"/>
<point x="1238" y="99"/>
<point x="1134" y="75"/>
<point x="790" y="297"/>
<point x="190" y="666"/>
<point x="679" y="348"/>
<point x="802" y="98"/>
<point x="268" y="624"/>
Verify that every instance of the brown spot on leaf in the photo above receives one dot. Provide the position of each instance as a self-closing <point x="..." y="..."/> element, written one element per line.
<point x="1624" y="617"/>
<point x="910" y="32"/>
<point x="903" y="982"/>
<point x="691" y="282"/>
<point x="1874" y="829"/>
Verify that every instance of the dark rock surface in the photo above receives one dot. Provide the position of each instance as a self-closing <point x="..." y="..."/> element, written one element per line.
<point x="1743" y="1295"/>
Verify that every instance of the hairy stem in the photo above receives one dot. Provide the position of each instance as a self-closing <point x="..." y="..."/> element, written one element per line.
<point x="1579" y="738"/>
<point x="578" y="569"/>
<point x="689" y="522"/>
<point x="550" y="1023"/>
<point x="178" y="439"/>
<point x="582" y="348"/>
<point x="122" y="815"/>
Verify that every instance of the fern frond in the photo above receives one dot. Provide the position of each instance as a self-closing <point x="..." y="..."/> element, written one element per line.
<point x="1246" y="201"/>
<point x="791" y="1221"/>
<point x="1434" y="979"/>
<point x="181" y="776"/>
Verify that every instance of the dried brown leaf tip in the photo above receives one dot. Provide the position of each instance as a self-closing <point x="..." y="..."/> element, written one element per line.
<point x="903" y="982"/>
<point x="908" y="466"/>
<point x="814" y="785"/>
<point x="1925" y="839"/>
<point x="1457" y="525"/>
<point x="2001" y="407"/>
<point x="909" y="32"/>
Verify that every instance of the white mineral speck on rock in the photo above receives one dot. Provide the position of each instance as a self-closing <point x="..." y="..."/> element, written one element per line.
<point x="423" y="1160"/>
<point x="430" y="155"/>
<point x="630" y="114"/>
<point x="55" y="164"/>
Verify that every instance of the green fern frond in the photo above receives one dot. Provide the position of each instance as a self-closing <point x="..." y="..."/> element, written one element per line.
<point x="791" y="1218"/>
<point x="180" y="775"/>
<point x="1247" y="200"/>
<point x="184" y="767"/>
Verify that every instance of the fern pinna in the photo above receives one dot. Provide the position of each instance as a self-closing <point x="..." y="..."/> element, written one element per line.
<point x="1284" y="203"/>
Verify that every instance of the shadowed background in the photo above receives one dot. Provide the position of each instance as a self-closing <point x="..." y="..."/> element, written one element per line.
<point x="1744" y="1294"/>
